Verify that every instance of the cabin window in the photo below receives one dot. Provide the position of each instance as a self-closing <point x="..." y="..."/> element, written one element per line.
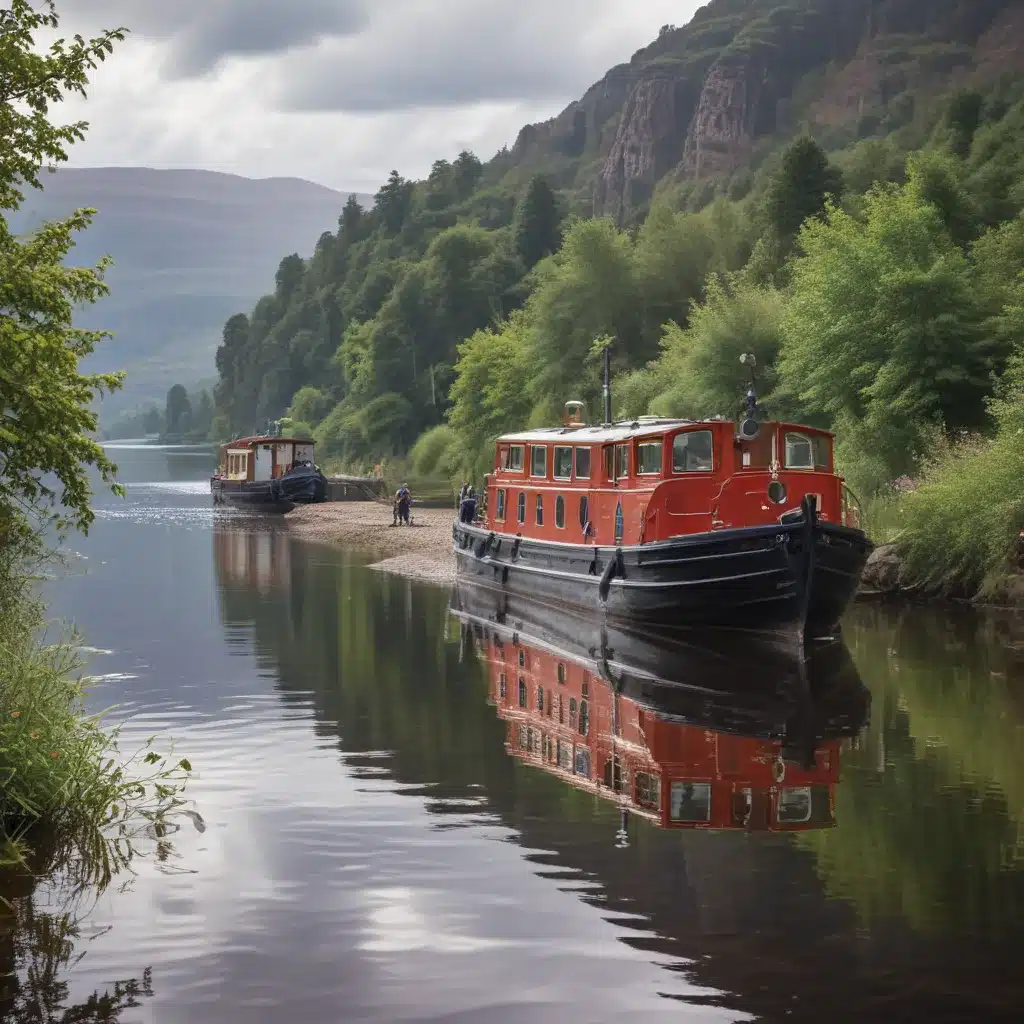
<point x="538" y="460"/>
<point x="540" y="510"/>
<point x="563" y="463"/>
<point x="647" y="791"/>
<point x="619" y="523"/>
<point x="794" y="805"/>
<point x="584" y="513"/>
<point x="799" y="452"/>
<point x="581" y="765"/>
<point x="514" y="458"/>
<point x="502" y="686"/>
<point x="648" y="458"/>
<point x="691" y="801"/>
<point x="560" y="512"/>
<point x="522" y="692"/>
<point x="613" y="775"/>
<point x="582" y="463"/>
<point x="822" y="452"/>
<point x="693" y="452"/>
<point x="499" y="505"/>
<point x="609" y="462"/>
<point x="521" y="510"/>
<point x="621" y="461"/>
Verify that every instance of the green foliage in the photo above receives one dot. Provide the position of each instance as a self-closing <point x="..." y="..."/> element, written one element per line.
<point x="310" y="405"/>
<point x="804" y="183"/>
<point x="57" y="766"/>
<point x="177" y="411"/>
<point x="436" y="453"/>
<point x="884" y="334"/>
<point x="960" y="528"/>
<point x="700" y="369"/>
<point x="537" y="223"/>
<point x="46" y="418"/>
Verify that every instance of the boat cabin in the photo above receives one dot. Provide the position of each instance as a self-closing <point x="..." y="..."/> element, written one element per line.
<point x="569" y="722"/>
<point x="255" y="459"/>
<point x="653" y="479"/>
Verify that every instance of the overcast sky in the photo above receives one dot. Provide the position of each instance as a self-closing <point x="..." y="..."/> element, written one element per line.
<point x="342" y="91"/>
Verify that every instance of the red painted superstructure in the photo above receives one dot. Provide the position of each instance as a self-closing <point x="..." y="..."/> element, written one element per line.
<point x="669" y="478"/>
<point x="566" y="720"/>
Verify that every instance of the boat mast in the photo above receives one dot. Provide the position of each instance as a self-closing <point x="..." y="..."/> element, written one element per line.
<point x="607" y="386"/>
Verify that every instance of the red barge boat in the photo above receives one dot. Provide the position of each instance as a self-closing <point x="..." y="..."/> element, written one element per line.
<point x="710" y="753"/>
<point x="741" y="525"/>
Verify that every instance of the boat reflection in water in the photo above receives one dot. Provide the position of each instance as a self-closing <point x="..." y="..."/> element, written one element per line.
<point x="687" y="734"/>
<point x="246" y="556"/>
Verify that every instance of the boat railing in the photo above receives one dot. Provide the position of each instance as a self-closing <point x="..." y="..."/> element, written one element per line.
<point x="852" y="511"/>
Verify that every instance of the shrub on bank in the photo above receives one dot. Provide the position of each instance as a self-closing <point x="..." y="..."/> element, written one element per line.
<point x="59" y="769"/>
<point x="959" y="531"/>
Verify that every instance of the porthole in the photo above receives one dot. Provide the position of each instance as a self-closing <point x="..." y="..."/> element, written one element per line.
<point x="777" y="492"/>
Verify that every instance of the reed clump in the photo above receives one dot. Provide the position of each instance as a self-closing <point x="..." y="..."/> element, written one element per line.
<point x="61" y="772"/>
<point x="960" y="530"/>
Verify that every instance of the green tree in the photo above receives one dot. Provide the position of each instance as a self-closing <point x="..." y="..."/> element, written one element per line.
<point x="178" y="410"/>
<point x="963" y="119"/>
<point x="884" y="334"/>
<point x="801" y="188"/>
<point x="588" y="291"/>
<point x="467" y="171"/>
<point x="310" y="405"/>
<point x="700" y="369"/>
<point x="537" y="225"/>
<point x="392" y="202"/>
<point x="46" y="404"/>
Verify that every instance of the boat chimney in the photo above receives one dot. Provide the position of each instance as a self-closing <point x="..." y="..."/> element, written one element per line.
<point x="572" y="416"/>
<point x="607" y="386"/>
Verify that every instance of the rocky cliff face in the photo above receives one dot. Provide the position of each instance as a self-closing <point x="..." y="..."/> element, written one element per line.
<point x="697" y="101"/>
<point x="722" y="131"/>
<point x="647" y="145"/>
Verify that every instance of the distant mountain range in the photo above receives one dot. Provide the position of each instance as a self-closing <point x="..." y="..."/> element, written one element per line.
<point x="190" y="248"/>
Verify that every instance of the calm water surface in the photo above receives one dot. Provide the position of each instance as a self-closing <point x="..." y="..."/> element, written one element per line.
<point x="375" y="852"/>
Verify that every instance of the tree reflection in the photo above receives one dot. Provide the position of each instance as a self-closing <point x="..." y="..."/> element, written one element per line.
<point x="43" y="904"/>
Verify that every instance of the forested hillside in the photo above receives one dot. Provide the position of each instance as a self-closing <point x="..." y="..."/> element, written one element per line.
<point x="835" y="185"/>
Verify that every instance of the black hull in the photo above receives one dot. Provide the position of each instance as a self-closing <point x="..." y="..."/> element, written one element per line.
<point x="256" y="497"/>
<point x="728" y="683"/>
<point x="787" y="580"/>
<point x="299" y="487"/>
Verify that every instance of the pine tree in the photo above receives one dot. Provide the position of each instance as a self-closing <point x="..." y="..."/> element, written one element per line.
<point x="537" y="223"/>
<point x="801" y="187"/>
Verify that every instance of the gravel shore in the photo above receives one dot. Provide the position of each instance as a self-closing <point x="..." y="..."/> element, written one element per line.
<point x="421" y="551"/>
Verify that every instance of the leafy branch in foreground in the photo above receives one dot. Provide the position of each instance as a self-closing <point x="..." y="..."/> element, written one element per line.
<point x="45" y="414"/>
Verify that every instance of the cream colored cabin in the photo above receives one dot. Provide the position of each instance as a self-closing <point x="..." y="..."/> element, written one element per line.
<point x="254" y="459"/>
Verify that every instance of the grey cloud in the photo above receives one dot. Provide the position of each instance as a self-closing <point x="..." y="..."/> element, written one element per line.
<point x="201" y="33"/>
<point x="452" y="53"/>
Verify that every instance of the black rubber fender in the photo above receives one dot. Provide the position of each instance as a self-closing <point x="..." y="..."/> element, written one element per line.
<point x="606" y="578"/>
<point x="484" y="546"/>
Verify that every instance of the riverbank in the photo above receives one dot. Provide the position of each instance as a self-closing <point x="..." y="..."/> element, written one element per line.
<point x="421" y="551"/>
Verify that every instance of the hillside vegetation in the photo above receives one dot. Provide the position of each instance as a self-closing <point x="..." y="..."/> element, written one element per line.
<point x="870" y="260"/>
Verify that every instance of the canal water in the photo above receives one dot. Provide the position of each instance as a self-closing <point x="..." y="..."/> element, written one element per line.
<point x="380" y="843"/>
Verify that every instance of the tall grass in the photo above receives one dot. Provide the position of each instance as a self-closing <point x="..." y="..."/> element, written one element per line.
<point x="959" y="530"/>
<point x="61" y="772"/>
